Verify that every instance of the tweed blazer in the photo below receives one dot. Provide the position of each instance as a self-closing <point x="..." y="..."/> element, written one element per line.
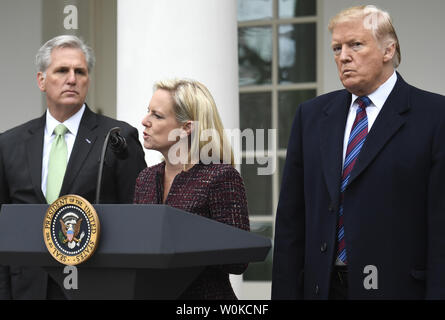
<point x="214" y="191"/>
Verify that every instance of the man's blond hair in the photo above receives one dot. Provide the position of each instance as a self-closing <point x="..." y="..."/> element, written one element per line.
<point x="376" y="20"/>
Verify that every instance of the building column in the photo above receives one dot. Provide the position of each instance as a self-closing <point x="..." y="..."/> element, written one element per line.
<point x="160" y="39"/>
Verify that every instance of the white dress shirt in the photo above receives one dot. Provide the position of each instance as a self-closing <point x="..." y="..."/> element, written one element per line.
<point x="378" y="99"/>
<point x="72" y="125"/>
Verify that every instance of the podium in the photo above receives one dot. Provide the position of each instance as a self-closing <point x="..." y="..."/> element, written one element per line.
<point x="144" y="251"/>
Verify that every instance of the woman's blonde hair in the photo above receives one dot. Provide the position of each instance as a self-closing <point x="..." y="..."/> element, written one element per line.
<point x="194" y="102"/>
<point x="376" y="20"/>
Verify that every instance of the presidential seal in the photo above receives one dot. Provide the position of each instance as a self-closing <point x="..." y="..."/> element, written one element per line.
<point x="71" y="230"/>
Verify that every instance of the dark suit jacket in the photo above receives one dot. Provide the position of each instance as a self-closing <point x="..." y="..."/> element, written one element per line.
<point x="21" y="150"/>
<point x="394" y="206"/>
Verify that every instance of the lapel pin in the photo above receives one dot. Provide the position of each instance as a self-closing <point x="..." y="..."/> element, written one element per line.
<point x="88" y="141"/>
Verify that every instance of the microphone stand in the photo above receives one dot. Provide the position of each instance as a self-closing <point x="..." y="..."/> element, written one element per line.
<point x="113" y="131"/>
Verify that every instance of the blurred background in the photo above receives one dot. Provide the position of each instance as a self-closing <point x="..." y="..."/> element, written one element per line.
<point x="259" y="58"/>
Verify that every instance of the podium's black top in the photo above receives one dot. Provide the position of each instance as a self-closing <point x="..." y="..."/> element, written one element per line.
<point x="215" y="191"/>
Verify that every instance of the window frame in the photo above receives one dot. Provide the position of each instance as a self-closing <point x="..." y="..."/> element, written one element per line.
<point x="275" y="88"/>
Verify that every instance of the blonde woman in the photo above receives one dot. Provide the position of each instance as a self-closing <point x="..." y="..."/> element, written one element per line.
<point x="197" y="174"/>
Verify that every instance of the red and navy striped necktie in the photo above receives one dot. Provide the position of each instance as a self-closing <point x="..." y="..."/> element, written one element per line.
<point x="356" y="140"/>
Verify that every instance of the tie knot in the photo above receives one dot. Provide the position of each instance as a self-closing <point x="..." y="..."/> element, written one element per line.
<point x="363" y="102"/>
<point x="60" y="130"/>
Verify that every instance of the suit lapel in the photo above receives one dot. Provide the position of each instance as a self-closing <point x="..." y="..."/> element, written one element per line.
<point x="34" y="153"/>
<point x="332" y="130"/>
<point x="85" y="140"/>
<point x="391" y="118"/>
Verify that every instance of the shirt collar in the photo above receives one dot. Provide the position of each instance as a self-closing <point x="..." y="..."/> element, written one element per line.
<point x="379" y="96"/>
<point x="72" y="123"/>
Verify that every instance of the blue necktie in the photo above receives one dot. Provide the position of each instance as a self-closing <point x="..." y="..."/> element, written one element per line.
<point x="356" y="140"/>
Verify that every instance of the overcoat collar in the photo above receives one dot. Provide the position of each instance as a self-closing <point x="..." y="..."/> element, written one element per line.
<point x="332" y="129"/>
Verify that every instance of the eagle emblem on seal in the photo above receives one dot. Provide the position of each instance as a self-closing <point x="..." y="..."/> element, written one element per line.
<point x="70" y="228"/>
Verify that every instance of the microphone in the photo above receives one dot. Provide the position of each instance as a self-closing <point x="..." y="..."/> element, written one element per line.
<point x="118" y="145"/>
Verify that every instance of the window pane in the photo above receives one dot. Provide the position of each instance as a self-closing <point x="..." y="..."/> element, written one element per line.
<point x="297" y="53"/>
<point x="254" y="10"/>
<point x="288" y="102"/>
<point x="255" y="113"/>
<point x="297" y="8"/>
<point x="255" y="55"/>
<point x="258" y="189"/>
<point x="260" y="271"/>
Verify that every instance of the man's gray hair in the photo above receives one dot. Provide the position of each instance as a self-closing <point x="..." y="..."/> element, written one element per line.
<point x="43" y="57"/>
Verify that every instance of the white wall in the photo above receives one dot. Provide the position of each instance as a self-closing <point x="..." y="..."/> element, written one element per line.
<point x="20" y="36"/>
<point x="103" y="38"/>
<point x="420" y="27"/>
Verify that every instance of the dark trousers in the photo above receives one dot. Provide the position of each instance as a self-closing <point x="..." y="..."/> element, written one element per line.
<point x="339" y="284"/>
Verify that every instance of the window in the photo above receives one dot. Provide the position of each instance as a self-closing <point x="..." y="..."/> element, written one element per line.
<point x="277" y="71"/>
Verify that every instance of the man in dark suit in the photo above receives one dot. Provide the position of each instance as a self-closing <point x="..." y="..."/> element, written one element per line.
<point x="361" y="213"/>
<point x="27" y="163"/>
